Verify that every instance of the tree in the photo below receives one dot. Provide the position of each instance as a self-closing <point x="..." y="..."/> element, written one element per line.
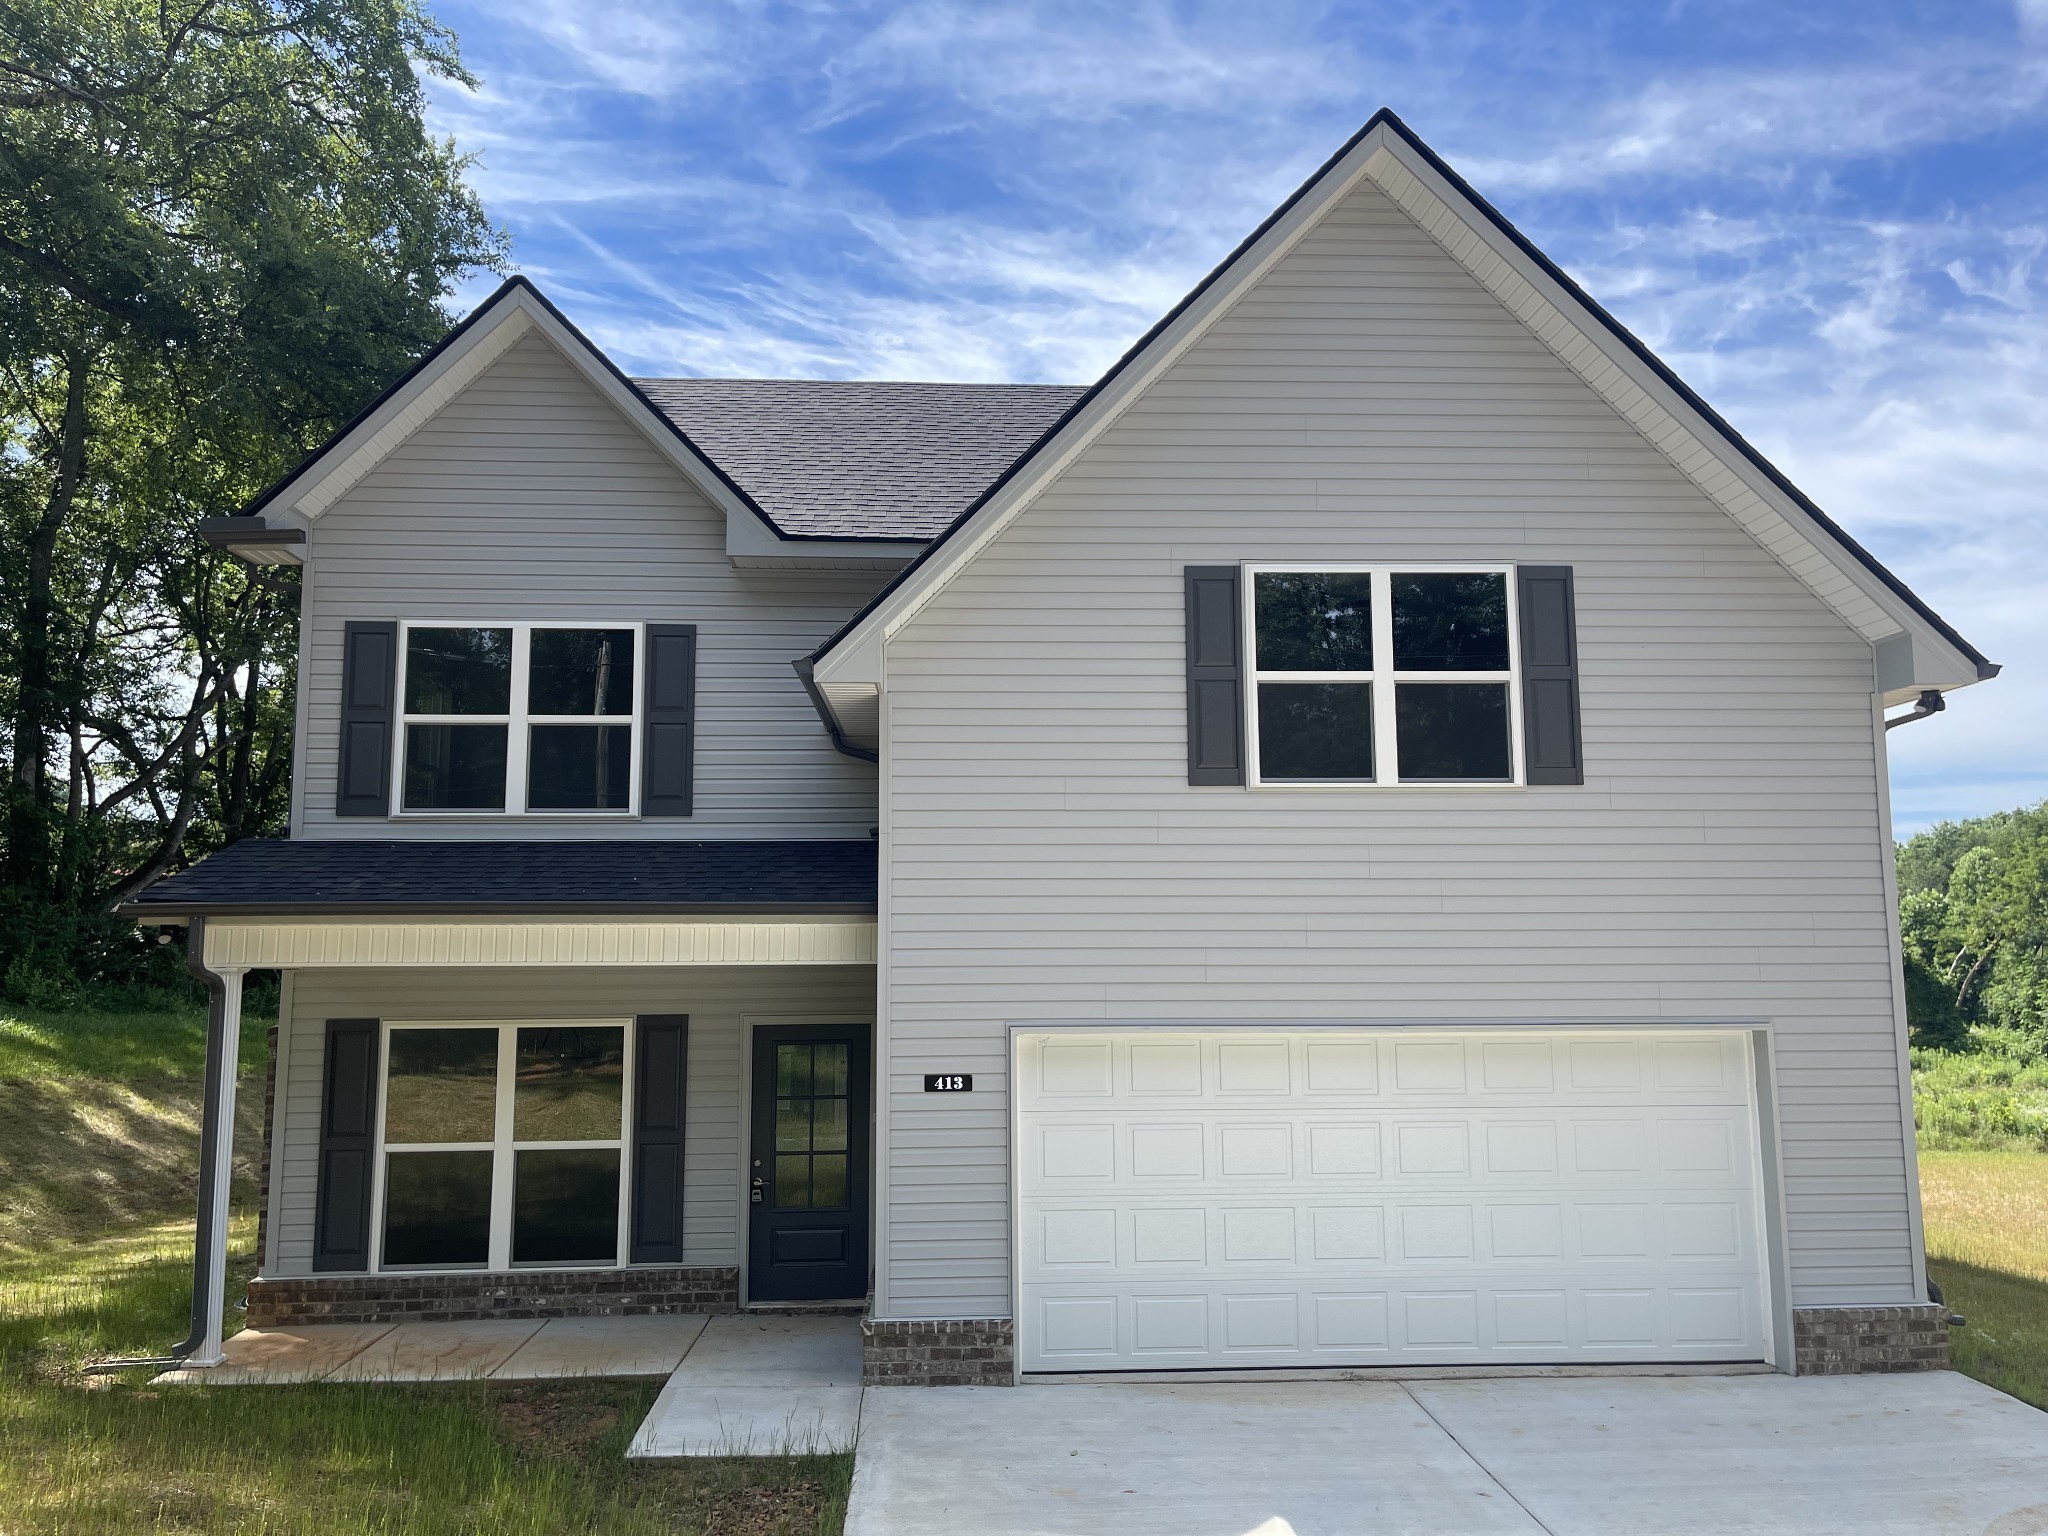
<point x="1974" y="920"/>
<point x="223" y="228"/>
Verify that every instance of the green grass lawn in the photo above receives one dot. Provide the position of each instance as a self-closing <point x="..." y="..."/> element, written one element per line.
<point x="1987" y="1248"/>
<point x="98" y="1156"/>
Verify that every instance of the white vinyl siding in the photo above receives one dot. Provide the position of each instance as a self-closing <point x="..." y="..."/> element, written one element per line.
<point x="715" y="998"/>
<point x="1045" y="859"/>
<point x="529" y="498"/>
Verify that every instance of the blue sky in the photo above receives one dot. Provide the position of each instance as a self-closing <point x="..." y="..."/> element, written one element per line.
<point x="1831" y="219"/>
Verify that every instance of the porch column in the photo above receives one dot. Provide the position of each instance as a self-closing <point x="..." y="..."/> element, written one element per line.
<point x="216" y="1156"/>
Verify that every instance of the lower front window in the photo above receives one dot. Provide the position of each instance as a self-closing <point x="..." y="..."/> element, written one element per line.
<point x="502" y="1145"/>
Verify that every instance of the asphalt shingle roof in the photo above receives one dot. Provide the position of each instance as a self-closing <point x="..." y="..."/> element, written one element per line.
<point x="648" y="875"/>
<point x="860" y="459"/>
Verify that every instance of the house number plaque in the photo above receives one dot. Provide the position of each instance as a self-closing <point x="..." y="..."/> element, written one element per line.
<point x="949" y="1082"/>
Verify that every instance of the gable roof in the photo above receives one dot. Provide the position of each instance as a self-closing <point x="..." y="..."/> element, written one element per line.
<point x="807" y="458"/>
<point x="860" y="459"/>
<point x="1583" y="334"/>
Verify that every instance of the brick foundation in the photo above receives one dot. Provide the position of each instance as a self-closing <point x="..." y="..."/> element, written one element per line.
<point x="975" y="1352"/>
<point x="467" y="1298"/>
<point x="1848" y="1341"/>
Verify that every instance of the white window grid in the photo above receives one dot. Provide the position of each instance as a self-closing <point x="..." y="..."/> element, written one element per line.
<point x="518" y="722"/>
<point x="503" y="1146"/>
<point x="1383" y="675"/>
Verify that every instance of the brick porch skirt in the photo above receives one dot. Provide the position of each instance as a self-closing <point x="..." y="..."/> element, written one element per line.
<point x="470" y="1297"/>
<point x="1848" y="1341"/>
<point x="954" y="1352"/>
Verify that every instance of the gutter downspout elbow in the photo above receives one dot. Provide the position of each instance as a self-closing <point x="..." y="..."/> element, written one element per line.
<point x="1930" y="702"/>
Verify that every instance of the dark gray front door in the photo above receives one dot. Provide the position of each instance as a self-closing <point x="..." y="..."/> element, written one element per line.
<point x="808" y="1193"/>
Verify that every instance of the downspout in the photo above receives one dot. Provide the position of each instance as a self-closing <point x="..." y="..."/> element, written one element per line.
<point x="1930" y="702"/>
<point x="202" y="1345"/>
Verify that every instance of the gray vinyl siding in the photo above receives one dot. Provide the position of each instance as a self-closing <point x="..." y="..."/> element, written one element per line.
<point x="529" y="497"/>
<point x="1045" y="859"/>
<point x="716" y="998"/>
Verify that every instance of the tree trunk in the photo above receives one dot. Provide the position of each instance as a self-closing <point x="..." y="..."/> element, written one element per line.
<point x="35" y="707"/>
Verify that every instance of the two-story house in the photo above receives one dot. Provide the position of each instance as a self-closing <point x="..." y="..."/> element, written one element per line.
<point x="1359" y="839"/>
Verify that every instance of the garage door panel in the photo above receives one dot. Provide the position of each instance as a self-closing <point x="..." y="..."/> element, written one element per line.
<point x="1219" y="1202"/>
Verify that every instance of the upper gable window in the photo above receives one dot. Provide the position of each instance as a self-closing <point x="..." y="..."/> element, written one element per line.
<point x="1382" y="675"/>
<point x="519" y="719"/>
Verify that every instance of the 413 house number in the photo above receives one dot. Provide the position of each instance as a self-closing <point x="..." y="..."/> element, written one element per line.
<point x="949" y="1082"/>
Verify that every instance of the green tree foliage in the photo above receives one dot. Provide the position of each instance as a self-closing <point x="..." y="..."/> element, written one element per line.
<point x="1973" y="912"/>
<point x="223" y="228"/>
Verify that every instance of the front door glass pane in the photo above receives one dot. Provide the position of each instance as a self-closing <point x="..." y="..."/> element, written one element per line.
<point x="442" y="1086"/>
<point x="811" y="1110"/>
<point x="437" y="1207"/>
<point x="570" y="1085"/>
<point x="565" y="1207"/>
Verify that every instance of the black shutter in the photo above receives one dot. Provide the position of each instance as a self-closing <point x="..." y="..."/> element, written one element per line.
<point x="669" y="747"/>
<point x="369" y="664"/>
<point x="1550" y="676"/>
<point x="348" y="1129"/>
<point x="1215" y="679"/>
<point x="661" y="1050"/>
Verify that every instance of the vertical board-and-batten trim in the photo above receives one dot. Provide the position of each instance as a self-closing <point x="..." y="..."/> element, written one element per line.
<point x="660" y="1100"/>
<point x="1552" y="741"/>
<point x="669" y="731"/>
<point x="1215" y="676"/>
<point x="548" y="942"/>
<point x="369" y="672"/>
<point x="348" y="1121"/>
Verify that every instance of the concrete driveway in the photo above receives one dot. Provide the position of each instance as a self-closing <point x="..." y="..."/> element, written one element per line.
<point x="1590" y="1456"/>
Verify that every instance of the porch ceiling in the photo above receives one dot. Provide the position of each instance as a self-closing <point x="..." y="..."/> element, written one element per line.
<point x="291" y="943"/>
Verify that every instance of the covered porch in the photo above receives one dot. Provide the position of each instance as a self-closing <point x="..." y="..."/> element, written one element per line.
<point x="582" y="1081"/>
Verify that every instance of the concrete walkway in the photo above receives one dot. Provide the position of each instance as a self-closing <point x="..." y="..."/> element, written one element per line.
<point x="760" y="1386"/>
<point x="530" y="1349"/>
<point x="1601" y="1456"/>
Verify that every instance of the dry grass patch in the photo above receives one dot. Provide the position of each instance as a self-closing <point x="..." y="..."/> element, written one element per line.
<point x="1987" y="1248"/>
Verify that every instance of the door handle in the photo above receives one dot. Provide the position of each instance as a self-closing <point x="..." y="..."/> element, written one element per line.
<point x="754" y="1196"/>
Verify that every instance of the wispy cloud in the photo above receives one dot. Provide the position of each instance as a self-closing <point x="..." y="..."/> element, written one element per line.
<point x="1831" y="218"/>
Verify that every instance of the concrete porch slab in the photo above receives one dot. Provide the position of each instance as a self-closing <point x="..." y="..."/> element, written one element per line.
<point x="602" y="1346"/>
<point x="439" y="1351"/>
<point x="760" y="1386"/>
<point x="278" y="1356"/>
<point x="1313" y="1459"/>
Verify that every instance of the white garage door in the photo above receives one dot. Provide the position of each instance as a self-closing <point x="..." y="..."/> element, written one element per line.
<point x="1216" y="1199"/>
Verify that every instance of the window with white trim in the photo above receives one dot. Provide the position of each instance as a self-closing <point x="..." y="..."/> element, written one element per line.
<point x="502" y="1145"/>
<point x="1382" y="675"/>
<point x="534" y="719"/>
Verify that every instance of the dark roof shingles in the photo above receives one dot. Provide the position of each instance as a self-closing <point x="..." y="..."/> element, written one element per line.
<point x="860" y="459"/>
<point x="652" y="875"/>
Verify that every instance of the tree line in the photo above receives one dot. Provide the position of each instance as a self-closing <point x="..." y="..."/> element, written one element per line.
<point x="1973" y="914"/>
<point x="224" y="227"/>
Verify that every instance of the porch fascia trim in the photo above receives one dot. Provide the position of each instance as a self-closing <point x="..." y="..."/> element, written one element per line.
<point x="293" y="943"/>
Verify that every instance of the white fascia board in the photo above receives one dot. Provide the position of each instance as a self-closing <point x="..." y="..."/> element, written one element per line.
<point x="857" y="656"/>
<point x="750" y="542"/>
<point x="1697" y="448"/>
<point x="490" y="335"/>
